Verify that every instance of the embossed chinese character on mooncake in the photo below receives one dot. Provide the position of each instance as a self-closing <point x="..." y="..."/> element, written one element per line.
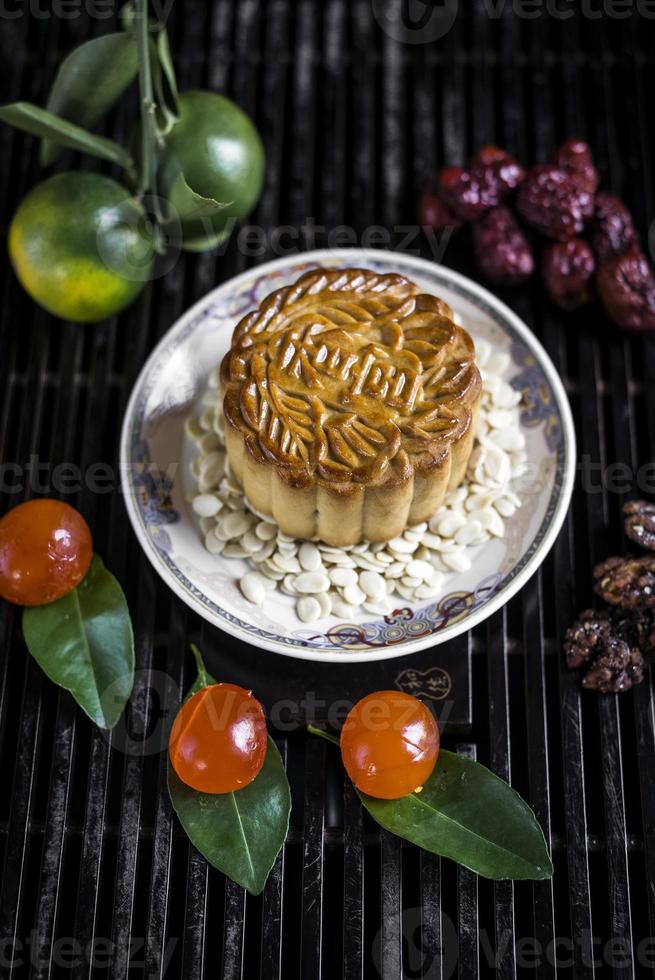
<point x="350" y="400"/>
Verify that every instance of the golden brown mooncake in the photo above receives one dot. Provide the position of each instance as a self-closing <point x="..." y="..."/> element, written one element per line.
<point x="350" y="401"/>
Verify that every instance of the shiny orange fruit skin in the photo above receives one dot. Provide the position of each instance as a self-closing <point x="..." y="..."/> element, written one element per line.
<point x="45" y="552"/>
<point x="389" y="744"/>
<point x="218" y="740"/>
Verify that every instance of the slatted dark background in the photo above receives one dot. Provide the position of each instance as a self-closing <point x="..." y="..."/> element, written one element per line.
<point x="352" y="123"/>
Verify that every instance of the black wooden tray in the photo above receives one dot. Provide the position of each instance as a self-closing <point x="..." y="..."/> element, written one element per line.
<point x="91" y="853"/>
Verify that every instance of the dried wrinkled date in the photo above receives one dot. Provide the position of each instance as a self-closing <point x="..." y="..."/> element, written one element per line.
<point x="626" y="582"/>
<point x="575" y="158"/>
<point x="553" y="203"/>
<point x="639" y="523"/>
<point x="502" y="252"/>
<point x="497" y="174"/>
<point x="612" y="231"/>
<point x="462" y="193"/>
<point x="470" y="193"/>
<point x="627" y="289"/>
<point x="560" y="200"/>
<point x="435" y="213"/>
<point x="567" y="270"/>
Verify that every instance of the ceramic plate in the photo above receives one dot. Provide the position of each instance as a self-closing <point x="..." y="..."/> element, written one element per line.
<point x="156" y="455"/>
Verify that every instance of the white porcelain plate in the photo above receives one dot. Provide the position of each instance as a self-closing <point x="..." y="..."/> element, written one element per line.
<point x="156" y="453"/>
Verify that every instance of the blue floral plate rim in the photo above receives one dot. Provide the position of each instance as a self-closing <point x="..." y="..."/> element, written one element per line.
<point x="406" y="630"/>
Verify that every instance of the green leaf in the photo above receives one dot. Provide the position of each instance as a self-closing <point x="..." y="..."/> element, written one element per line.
<point x="466" y="813"/>
<point x="188" y="223"/>
<point x="188" y="205"/>
<point x="203" y="243"/>
<point x="39" y="122"/>
<point x="89" y="82"/>
<point x="239" y="833"/>
<point x="84" y="643"/>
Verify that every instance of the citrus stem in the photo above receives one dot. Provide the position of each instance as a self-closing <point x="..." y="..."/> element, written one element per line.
<point x="323" y="734"/>
<point x="147" y="107"/>
<point x="202" y="670"/>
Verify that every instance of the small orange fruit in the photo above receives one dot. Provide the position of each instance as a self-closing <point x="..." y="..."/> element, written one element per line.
<point x="389" y="744"/>
<point x="45" y="552"/>
<point x="218" y="740"/>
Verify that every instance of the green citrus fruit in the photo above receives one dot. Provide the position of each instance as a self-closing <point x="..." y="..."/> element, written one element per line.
<point x="80" y="246"/>
<point x="218" y="150"/>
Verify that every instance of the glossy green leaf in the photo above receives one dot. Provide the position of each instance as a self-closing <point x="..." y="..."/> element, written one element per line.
<point x="239" y="833"/>
<point x="84" y="643"/>
<point x="188" y="223"/>
<point x="39" y="122"/>
<point x="466" y="813"/>
<point x="188" y="205"/>
<point x="89" y="82"/>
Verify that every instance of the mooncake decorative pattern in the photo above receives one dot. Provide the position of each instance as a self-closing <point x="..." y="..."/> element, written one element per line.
<point x="350" y="400"/>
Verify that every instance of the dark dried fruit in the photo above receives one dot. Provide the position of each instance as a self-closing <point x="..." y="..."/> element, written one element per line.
<point x="503" y="254"/>
<point x="553" y="203"/>
<point x="627" y="289"/>
<point x="636" y="627"/>
<point x="435" y="213"/>
<point x="567" y="270"/>
<point x="462" y="193"/>
<point x="497" y="174"/>
<point x="639" y="523"/>
<point x="612" y="231"/>
<point x="626" y="582"/>
<point x="618" y="668"/>
<point x="586" y="637"/>
<point x="470" y="193"/>
<point x="616" y="642"/>
<point x="575" y="158"/>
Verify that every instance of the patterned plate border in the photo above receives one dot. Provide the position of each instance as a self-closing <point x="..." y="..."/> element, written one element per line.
<point x="405" y="630"/>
